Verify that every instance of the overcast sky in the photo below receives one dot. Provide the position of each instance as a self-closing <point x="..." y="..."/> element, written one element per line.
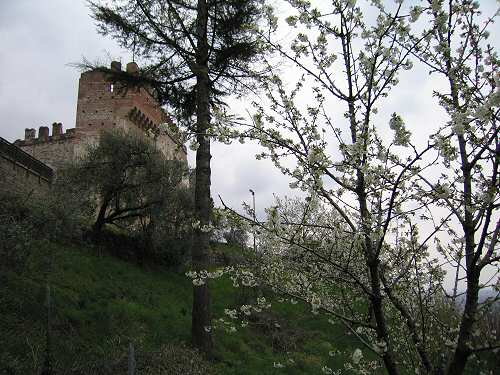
<point x="38" y="38"/>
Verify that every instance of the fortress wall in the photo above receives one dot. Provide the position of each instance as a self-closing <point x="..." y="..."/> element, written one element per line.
<point x="21" y="173"/>
<point x="171" y="149"/>
<point x="102" y="106"/>
<point x="55" y="151"/>
<point x="16" y="178"/>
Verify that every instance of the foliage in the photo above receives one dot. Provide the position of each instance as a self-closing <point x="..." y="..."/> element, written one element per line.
<point x="359" y="248"/>
<point x="233" y="232"/>
<point x="198" y="51"/>
<point x="166" y="35"/>
<point x="168" y="233"/>
<point x="124" y="178"/>
<point x="236" y="236"/>
<point x="14" y="236"/>
<point x="30" y="221"/>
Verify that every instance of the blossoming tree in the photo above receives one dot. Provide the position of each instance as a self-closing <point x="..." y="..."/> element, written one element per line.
<point x="383" y="217"/>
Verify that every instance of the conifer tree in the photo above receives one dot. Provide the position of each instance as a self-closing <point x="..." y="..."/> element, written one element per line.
<point x="197" y="51"/>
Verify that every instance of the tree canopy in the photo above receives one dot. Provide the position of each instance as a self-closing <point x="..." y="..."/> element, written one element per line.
<point x="386" y="217"/>
<point x="196" y="53"/>
<point x="165" y="36"/>
<point x="124" y="177"/>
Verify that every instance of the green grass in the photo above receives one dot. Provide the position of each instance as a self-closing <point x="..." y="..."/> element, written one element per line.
<point x="101" y="303"/>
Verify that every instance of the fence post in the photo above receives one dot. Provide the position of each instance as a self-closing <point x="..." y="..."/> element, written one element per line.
<point x="47" y="365"/>
<point x="131" y="359"/>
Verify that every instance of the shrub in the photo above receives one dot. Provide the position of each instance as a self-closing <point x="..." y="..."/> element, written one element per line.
<point x="27" y="222"/>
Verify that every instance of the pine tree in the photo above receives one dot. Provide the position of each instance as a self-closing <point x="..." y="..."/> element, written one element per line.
<point x="197" y="51"/>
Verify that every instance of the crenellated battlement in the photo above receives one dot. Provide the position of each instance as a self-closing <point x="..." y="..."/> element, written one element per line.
<point x="55" y="150"/>
<point x="30" y="137"/>
<point x="102" y="106"/>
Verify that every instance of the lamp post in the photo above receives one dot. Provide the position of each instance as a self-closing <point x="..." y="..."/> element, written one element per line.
<point x="254" y="218"/>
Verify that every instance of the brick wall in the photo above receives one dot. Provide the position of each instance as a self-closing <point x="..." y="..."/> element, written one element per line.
<point x="102" y="106"/>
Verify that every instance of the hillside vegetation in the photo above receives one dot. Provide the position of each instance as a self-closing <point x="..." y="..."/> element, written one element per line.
<point x="100" y="304"/>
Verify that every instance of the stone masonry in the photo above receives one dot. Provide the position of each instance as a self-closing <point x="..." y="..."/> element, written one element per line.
<point x="103" y="106"/>
<point x="20" y="172"/>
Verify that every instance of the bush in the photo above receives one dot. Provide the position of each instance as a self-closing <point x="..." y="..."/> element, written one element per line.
<point x="236" y="236"/>
<point x="162" y="248"/>
<point x="28" y="221"/>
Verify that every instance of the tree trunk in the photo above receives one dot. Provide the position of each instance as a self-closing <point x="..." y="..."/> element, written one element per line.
<point x="201" y="313"/>
<point x="100" y="220"/>
<point x="373" y="267"/>
<point x="462" y="351"/>
<point x="378" y="312"/>
<point x="456" y="365"/>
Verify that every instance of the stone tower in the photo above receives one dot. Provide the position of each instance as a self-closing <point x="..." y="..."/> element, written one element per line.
<point x="102" y="106"/>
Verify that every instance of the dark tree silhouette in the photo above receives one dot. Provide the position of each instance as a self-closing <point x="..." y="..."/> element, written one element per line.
<point x="197" y="52"/>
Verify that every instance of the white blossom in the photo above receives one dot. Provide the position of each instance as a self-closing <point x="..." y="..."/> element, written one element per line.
<point x="357" y="356"/>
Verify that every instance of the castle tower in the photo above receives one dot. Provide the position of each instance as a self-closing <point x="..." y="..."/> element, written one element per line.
<point x="103" y="105"/>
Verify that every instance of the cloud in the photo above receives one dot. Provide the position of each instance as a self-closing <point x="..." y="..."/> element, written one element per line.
<point x="37" y="87"/>
<point x="38" y="40"/>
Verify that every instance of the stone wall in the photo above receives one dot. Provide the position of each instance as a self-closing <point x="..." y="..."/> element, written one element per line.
<point x="55" y="150"/>
<point x="20" y="173"/>
<point x="103" y="106"/>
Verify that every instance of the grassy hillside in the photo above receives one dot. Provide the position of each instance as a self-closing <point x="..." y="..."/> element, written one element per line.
<point x="101" y="303"/>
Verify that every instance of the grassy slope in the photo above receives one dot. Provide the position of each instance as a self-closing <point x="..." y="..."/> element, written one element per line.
<point x="101" y="303"/>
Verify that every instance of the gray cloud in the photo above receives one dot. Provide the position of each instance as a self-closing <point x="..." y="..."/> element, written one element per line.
<point x="235" y="171"/>
<point x="37" y="87"/>
<point x="39" y="39"/>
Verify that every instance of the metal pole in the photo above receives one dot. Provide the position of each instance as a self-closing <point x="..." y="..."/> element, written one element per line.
<point x="131" y="359"/>
<point x="254" y="220"/>
<point x="47" y="366"/>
